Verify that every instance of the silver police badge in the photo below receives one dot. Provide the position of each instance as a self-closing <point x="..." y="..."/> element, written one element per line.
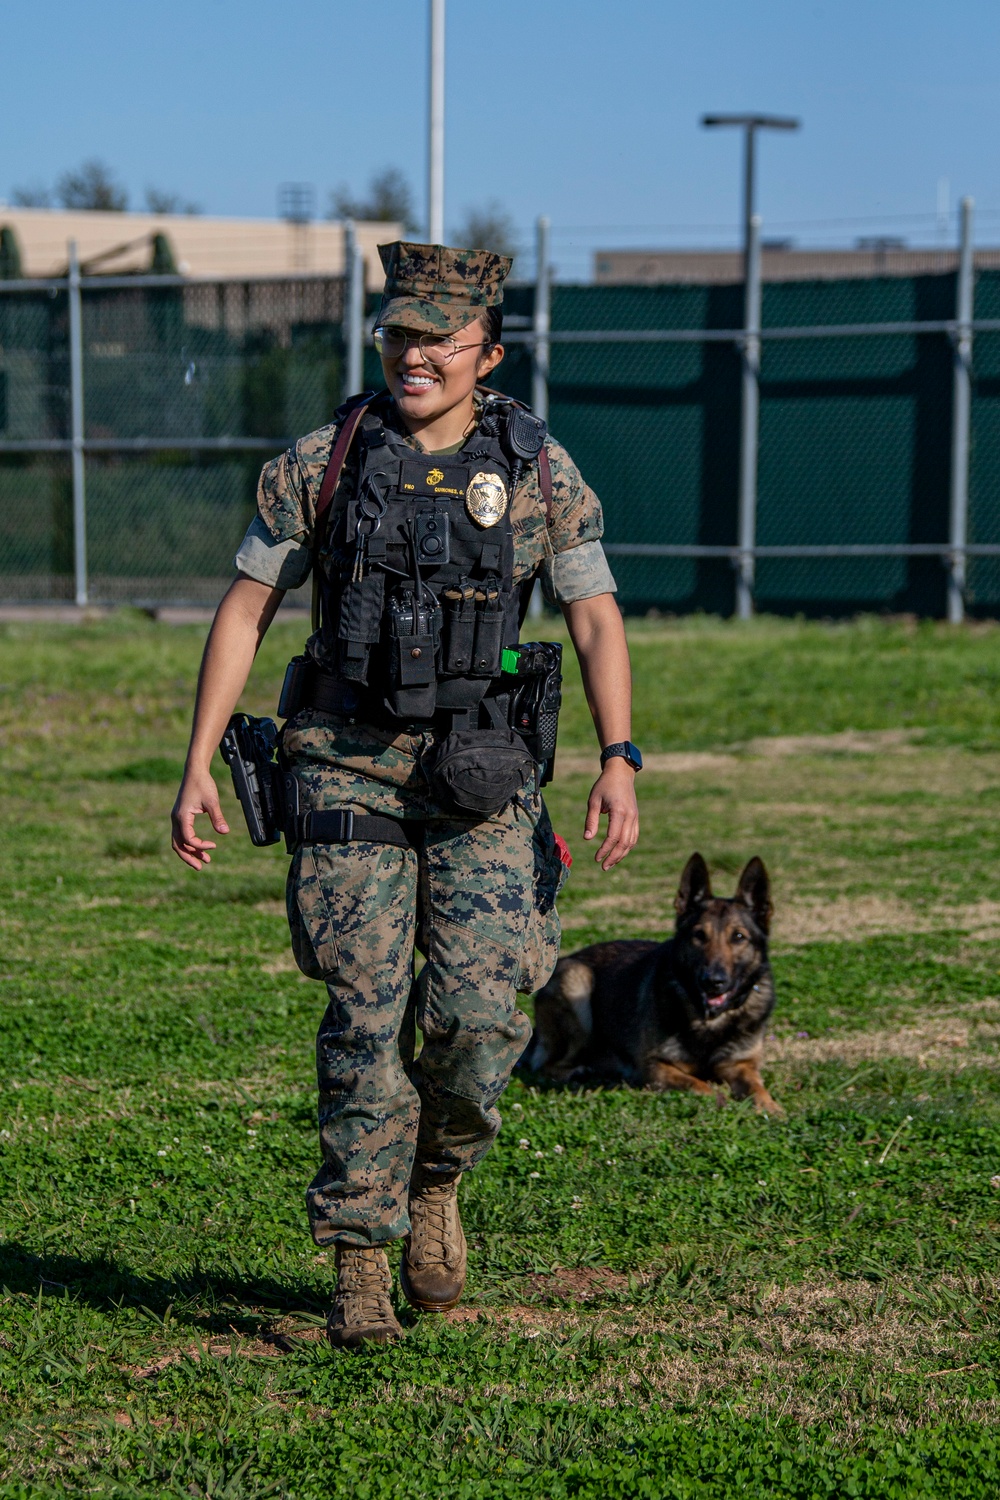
<point x="486" y="498"/>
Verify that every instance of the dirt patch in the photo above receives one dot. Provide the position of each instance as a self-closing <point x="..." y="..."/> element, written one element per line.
<point x="281" y="963"/>
<point x="579" y="1284"/>
<point x="845" y="918"/>
<point x="945" y="1041"/>
<point x="640" y="910"/>
<point x="847" y="742"/>
<point x="674" y="762"/>
<point x="812" y="1351"/>
<point x="528" y="1320"/>
<point x="765" y="747"/>
<point x="267" y="1346"/>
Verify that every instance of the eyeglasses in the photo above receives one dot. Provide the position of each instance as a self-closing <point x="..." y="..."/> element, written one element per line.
<point x="435" y="348"/>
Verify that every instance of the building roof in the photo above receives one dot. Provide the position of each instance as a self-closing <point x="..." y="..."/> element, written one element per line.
<point x="202" y="246"/>
<point x="778" y="263"/>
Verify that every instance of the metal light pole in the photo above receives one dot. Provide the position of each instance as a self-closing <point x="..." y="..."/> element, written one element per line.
<point x="77" y="428"/>
<point x="354" y="311"/>
<point x="961" y="408"/>
<point x="435" y="142"/>
<point x="542" y="320"/>
<point x="747" y="524"/>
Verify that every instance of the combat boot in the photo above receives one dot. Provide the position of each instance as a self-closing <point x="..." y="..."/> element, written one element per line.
<point x="362" y="1311"/>
<point x="435" y="1256"/>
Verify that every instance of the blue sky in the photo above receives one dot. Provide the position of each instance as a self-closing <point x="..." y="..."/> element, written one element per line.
<point x="583" y="110"/>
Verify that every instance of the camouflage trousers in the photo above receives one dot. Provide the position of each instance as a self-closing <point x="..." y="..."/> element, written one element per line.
<point x="478" y="902"/>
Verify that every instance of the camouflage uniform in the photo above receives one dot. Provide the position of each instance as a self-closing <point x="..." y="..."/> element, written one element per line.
<point x="477" y="900"/>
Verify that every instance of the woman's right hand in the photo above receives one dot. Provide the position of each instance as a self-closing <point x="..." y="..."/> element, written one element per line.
<point x="198" y="794"/>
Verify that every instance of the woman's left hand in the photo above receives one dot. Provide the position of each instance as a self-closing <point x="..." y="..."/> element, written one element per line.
<point x="613" y="793"/>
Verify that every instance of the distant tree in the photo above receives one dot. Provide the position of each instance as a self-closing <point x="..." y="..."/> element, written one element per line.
<point x="389" y="198"/>
<point x="162" y="261"/>
<point x="92" y="186"/>
<point x="35" y="196"/>
<point x="488" y="228"/>
<point x="10" y="255"/>
<point x="159" y="202"/>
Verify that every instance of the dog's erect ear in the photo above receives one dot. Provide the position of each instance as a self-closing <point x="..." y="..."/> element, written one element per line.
<point x="695" y="886"/>
<point x="754" y="890"/>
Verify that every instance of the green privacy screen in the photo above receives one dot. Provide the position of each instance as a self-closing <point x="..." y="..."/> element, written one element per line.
<point x="854" y="438"/>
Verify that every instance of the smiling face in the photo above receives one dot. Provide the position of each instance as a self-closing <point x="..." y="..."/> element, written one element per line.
<point x="428" y="393"/>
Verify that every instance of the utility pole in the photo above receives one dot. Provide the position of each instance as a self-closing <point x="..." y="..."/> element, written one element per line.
<point x="435" y="141"/>
<point x="961" y="409"/>
<point x="747" y="523"/>
<point x="77" y="427"/>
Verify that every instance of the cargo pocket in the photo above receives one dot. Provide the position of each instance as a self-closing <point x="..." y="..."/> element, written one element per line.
<point x="551" y="860"/>
<point x="314" y="944"/>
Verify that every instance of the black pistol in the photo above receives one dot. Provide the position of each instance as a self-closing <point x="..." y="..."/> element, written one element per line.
<point x="248" y="748"/>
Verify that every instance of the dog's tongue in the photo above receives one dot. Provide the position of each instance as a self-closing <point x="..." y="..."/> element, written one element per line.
<point x="714" y="1002"/>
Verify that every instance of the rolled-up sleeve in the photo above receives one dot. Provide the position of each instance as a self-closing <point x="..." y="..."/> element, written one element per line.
<point x="281" y="565"/>
<point x="579" y="573"/>
<point x="576" y="567"/>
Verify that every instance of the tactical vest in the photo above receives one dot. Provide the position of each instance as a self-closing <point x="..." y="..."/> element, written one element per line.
<point x="415" y="568"/>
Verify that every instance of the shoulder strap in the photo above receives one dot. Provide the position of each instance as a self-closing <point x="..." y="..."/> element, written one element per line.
<point x="545" y="482"/>
<point x="338" y="456"/>
<point x="331" y="476"/>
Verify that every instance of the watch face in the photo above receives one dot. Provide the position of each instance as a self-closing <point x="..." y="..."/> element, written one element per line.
<point x="633" y="756"/>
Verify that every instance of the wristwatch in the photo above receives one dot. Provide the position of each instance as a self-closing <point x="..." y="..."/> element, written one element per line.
<point x="626" y="750"/>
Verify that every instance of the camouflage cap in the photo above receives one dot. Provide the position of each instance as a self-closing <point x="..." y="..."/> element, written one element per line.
<point x="434" y="289"/>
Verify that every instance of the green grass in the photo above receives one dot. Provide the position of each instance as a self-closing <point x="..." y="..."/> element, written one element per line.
<point x="666" y="1298"/>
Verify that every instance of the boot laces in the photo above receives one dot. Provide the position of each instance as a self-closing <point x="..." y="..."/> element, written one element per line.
<point x="431" y="1207"/>
<point x="362" y="1279"/>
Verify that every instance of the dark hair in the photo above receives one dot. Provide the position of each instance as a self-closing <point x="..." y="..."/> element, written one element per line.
<point x="492" y="321"/>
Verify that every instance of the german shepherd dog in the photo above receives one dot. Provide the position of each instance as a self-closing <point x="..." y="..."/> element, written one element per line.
<point x="684" y="1014"/>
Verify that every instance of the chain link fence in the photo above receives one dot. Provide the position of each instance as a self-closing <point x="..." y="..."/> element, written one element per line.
<point x="188" y="386"/>
<point x="186" y="390"/>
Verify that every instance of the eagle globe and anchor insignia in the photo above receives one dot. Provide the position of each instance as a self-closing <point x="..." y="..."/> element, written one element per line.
<point x="486" y="498"/>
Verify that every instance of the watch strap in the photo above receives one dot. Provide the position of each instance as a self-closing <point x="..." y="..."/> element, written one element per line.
<point x="626" y="750"/>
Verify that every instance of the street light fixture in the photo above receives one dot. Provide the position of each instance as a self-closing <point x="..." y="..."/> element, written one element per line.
<point x="750" y="124"/>
<point x="747" y="513"/>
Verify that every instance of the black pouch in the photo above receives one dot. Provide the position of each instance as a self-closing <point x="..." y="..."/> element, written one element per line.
<point x="490" y="617"/>
<point x="414" y="636"/>
<point x="360" y="622"/>
<point x="460" y="631"/>
<point x="299" y="675"/>
<point x="476" y="771"/>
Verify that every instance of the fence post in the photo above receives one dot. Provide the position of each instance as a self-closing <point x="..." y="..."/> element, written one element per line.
<point x="354" y="311"/>
<point x="542" y="321"/>
<point x="747" y="518"/>
<point x="76" y="426"/>
<point x="960" y="414"/>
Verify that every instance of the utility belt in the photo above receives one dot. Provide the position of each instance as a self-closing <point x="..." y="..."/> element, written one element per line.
<point x="472" y="771"/>
<point x="269" y="795"/>
<point x="530" y="694"/>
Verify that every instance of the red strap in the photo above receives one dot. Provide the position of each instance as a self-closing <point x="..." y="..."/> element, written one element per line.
<point x="545" y="482"/>
<point x="337" y="457"/>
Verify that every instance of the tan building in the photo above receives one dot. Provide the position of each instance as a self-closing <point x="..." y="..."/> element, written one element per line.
<point x="778" y="263"/>
<point x="201" y="247"/>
